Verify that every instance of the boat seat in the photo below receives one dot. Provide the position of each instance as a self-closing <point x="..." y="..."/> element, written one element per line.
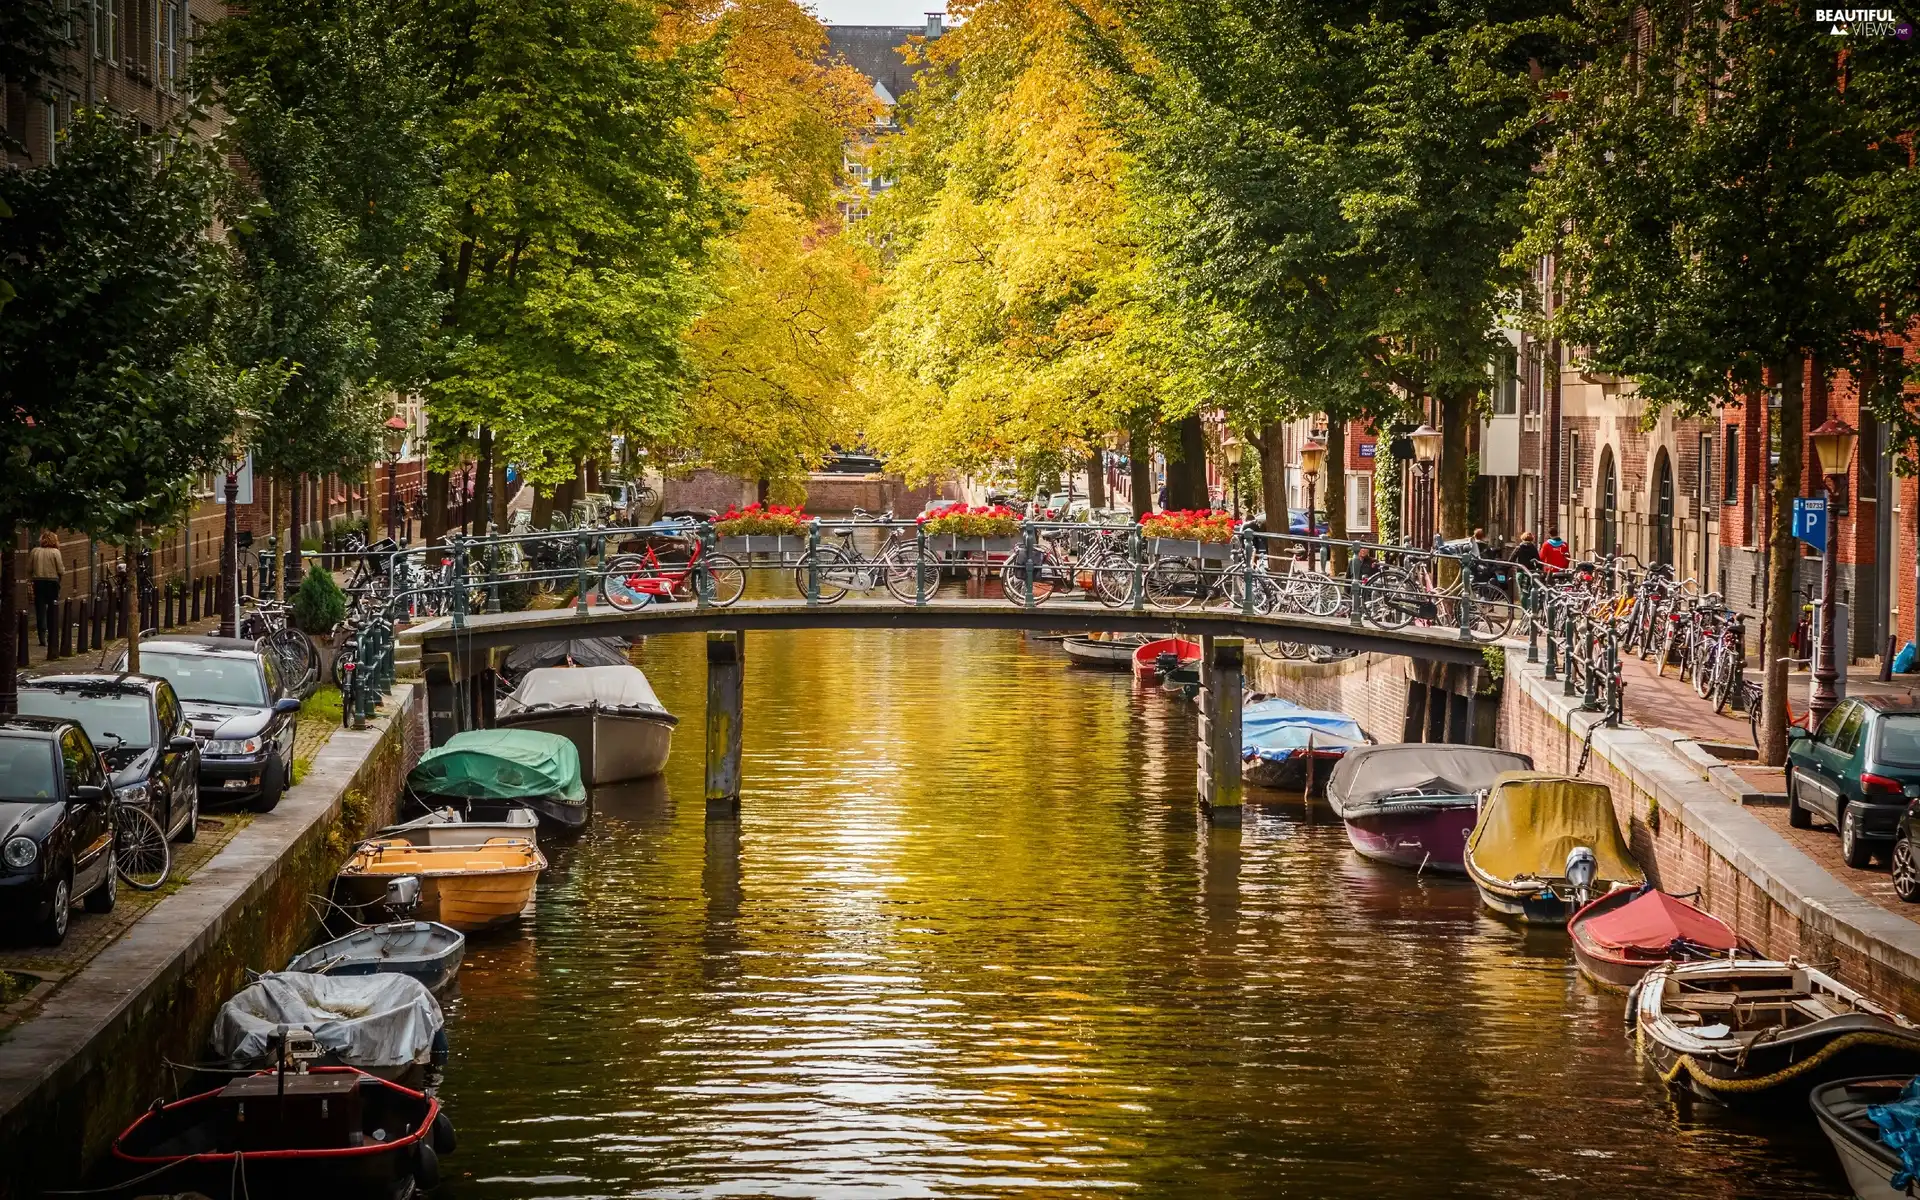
<point x="485" y="864"/>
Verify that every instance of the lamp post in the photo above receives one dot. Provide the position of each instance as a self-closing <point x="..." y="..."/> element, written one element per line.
<point x="1833" y="443"/>
<point x="1426" y="449"/>
<point x="1231" y="449"/>
<point x="396" y="436"/>
<point x="1312" y="455"/>
<point x="230" y="545"/>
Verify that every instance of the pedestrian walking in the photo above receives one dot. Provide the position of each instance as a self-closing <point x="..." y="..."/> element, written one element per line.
<point x="1525" y="554"/>
<point x="1553" y="552"/>
<point x="45" y="566"/>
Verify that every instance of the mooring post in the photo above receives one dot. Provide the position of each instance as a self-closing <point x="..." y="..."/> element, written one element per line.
<point x="1218" y="780"/>
<point x="726" y="668"/>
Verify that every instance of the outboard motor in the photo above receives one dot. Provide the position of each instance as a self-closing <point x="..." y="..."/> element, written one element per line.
<point x="1581" y="867"/>
<point x="403" y="896"/>
<point x="1166" y="662"/>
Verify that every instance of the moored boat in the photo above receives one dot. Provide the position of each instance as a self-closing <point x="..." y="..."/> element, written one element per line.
<point x="1846" y="1110"/>
<point x="1113" y="652"/>
<point x="1622" y="935"/>
<point x="1413" y="804"/>
<point x="467" y="887"/>
<point x="1164" y="658"/>
<point x="452" y="827"/>
<point x="1756" y="1031"/>
<point x="1544" y="845"/>
<point x="424" y="950"/>
<point x="1283" y="745"/>
<point x="617" y="725"/>
<point x="322" y="1134"/>
<point x="385" y="1025"/>
<point x="485" y="772"/>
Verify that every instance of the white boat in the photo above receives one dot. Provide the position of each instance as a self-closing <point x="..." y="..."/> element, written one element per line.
<point x="425" y="950"/>
<point x="387" y="1025"/>
<point x="610" y="714"/>
<point x="451" y="827"/>
<point x="1113" y="651"/>
<point x="1869" y="1162"/>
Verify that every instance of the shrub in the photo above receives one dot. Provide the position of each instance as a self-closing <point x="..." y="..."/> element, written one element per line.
<point x="986" y="521"/>
<point x="757" y="520"/>
<point x="319" y="605"/>
<point x="1194" y="525"/>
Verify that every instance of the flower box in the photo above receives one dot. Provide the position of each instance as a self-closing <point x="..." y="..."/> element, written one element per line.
<point x="953" y="543"/>
<point x="1189" y="548"/>
<point x="762" y="543"/>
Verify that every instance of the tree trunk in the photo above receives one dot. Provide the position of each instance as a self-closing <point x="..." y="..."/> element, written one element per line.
<point x="1140" y="473"/>
<point x="9" y="606"/>
<point x="762" y="488"/>
<point x="1783" y="556"/>
<point x="542" y="507"/>
<point x="290" y="561"/>
<point x="1455" y="409"/>
<point x="433" y="525"/>
<point x="326" y="511"/>
<point x="1335" y="473"/>
<point x="482" y="507"/>
<point x="130" y="615"/>
<point x="1273" y="478"/>
<point x="1187" y="468"/>
<point x="593" y="476"/>
<point x="497" y="495"/>
<point x="273" y="536"/>
<point x="1097" y="480"/>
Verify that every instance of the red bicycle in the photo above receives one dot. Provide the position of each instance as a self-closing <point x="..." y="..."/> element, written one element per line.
<point x="632" y="581"/>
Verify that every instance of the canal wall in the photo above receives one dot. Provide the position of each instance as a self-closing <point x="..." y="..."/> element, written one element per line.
<point x="1395" y="698"/>
<point x="96" y="1054"/>
<point x="1688" y="834"/>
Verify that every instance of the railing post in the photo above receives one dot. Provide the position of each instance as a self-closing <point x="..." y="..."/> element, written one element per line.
<point x="1590" y="691"/>
<point x="1355" y="604"/>
<point x="1027" y="541"/>
<point x="813" y="561"/>
<point x="1137" y="563"/>
<point x="1530" y="605"/>
<point x="1613" y="673"/>
<point x="1246" y="572"/>
<point x="494" y="547"/>
<point x="919" y="565"/>
<point x="1547" y="615"/>
<point x="580" y="573"/>
<point x="1566" y="652"/>
<point x="459" y="596"/>
<point x="702" y="578"/>
<point x="1464" y="566"/>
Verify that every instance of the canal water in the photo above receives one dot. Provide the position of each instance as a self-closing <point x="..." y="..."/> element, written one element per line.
<point x="968" y="938"/>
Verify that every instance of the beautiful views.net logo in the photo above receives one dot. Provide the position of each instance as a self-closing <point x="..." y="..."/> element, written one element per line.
<point x="1863" y="22"/>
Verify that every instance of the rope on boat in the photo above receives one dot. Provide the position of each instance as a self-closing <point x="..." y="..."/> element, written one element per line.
<point x="1586" y="750"/>
<point x="118" y="1187"/>
<point x="1759" y="1083"/>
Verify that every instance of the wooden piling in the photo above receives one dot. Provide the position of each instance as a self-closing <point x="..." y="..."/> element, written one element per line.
<point x="726" y="669"/>
<point x="65" y="647"/>
<point x="1222" y="662"/>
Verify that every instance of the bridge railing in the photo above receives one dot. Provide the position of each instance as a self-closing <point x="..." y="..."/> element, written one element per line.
<point x="1449" y="586"/>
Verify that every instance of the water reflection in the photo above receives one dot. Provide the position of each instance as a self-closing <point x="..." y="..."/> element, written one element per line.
<point x="968" y="938"/>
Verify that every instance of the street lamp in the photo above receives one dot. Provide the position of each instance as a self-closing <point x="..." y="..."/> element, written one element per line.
<point x="229" y="589"/>
<point x="1312" y="455"/>
<point x="1833" y="444"/>
<point x="396" y="436"/>
<point x="1426" y="450"/>
<point x="1232" y="450"/>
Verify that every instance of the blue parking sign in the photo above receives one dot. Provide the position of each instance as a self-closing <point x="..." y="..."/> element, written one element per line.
<point x="1810" y="521"/>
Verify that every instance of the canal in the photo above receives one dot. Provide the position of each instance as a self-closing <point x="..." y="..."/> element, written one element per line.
<point x="969" y="939"/>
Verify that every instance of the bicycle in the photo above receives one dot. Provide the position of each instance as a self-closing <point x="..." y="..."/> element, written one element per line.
<point x="270" y="621"/>
<point x="1753" y="695"/>
<point x="632" y="581"/>
<point x="830" y="570"/>
<point x="142" y="856"/>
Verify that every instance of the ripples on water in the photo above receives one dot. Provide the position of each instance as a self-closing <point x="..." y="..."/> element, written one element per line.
<point x="969" y="939"/>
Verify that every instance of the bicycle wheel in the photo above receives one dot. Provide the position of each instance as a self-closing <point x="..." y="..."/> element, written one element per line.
<point x="828" y="568"/>
<point x="1113" y="580"/>
<point x="1492" y="612"/>
<point x="726" y="579"/>
<point x="1317" y="594"/>
<point x="1389" y="600"/>
<point x="1237" y="581"/>
<point x="1704" y="671"/>
<point x="619" y="585"/>
<point x="912" y="574"/>
<point x="1023" y="567"/>
<point x="299" y="657"/>
<point x="141" y="855"/>
<point x="1175" y="583"/>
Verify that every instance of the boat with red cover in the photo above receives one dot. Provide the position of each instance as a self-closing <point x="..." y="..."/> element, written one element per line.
<point x="1148" y="663"/>
<point x="1622" y="935"/>
<point x="323" y="1133"/>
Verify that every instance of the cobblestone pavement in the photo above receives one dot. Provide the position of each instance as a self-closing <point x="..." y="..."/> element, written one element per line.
<point x="88" y="933"/>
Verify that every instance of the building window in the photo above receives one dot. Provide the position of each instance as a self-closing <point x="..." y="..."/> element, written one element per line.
<point x="1359" y="502"/>
<point x="102" y="28"/>
<point x="1730" y="468"/>
<point x="51" y="111"/>
<point x="1706" y="474"/>
<point x="1572" y="471"/>
<point x="1506" y="385"/>
<point x="171" y="44"/>
<point x="116" y="29"/>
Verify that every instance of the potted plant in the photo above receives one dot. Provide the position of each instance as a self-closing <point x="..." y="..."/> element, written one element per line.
<point x="971" y="529"/>
<point x="762" y="529"/>
<point x="1201" y="533"/>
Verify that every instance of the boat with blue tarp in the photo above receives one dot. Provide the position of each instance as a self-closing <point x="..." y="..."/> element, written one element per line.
<point x="1286" y="746"/>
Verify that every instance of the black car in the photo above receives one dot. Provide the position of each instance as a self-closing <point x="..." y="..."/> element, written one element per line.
<point x="56" y="826"/>
<point x="137" y="723"/>
<point x="233" y="698"/>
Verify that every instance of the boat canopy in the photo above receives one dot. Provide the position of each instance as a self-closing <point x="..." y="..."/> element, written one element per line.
<point x="1276" y="728"/>
<point x="367" y="1021"/>
<point x="1531" y="821"/>
<point x="1362" y="780"/>
<point x="581" y="652"/>
<point x="500" y="764"/>
<point x="623" y="686"/>
<point x="1653" y="921"/>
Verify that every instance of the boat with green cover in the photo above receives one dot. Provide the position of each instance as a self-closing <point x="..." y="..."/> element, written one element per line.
<point x="487" y="771"/>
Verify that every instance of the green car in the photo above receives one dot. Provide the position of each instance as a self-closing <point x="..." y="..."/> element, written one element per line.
<point x="1854" y="771"/>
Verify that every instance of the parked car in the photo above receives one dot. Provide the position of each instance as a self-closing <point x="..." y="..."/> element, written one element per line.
<point x="1854" y="771"/>
<point x="239" y="710"/>
<point x="137" y="723"/>
<point x="56" y="826"/>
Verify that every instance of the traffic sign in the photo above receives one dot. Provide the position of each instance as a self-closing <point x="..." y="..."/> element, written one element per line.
<point x="1810" y="521"/>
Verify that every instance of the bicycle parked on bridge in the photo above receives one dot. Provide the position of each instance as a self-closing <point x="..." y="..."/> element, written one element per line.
<point x="633" y="581"/>
<point x="830" y="570"/>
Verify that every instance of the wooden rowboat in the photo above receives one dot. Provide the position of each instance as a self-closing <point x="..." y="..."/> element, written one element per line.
<point x="1624" y="934"/>
<point x="1113" y="653"/>
<point x="1146" y="658"/>
<point x="467" y="887"/>
<point x="1841" y="1108"/>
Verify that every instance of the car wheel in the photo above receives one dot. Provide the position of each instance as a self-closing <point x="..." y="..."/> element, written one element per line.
<point x="1906" y="876"/>
<point x="52" y="928"/>
<point x="191" y="829"/>
<point x="103" y="898"/>
<point x="1797" y="816"/>
<point x="1854" y="850"/>
<point x="270" y="789"/>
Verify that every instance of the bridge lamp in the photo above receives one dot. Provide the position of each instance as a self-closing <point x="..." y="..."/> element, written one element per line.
<point x="1833" y="445"/>
<point x="1312" y="456"/>
<point x="396" y="436"/>
<point x="1234" y="450"/>
<point x="1426" y="451"/>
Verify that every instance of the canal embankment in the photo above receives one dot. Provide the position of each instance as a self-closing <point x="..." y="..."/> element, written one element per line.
<point x="1680" y="805"/>
<point x="100" y="1047"/>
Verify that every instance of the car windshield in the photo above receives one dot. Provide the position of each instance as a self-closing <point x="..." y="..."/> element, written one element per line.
<point x="104" y="715"/>
<point x="207" y="678"/>
<point x="1899" y="741"/>
<point x="26" y="769"/>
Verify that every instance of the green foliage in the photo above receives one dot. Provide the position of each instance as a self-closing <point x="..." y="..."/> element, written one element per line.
<point x="319" y="605"/>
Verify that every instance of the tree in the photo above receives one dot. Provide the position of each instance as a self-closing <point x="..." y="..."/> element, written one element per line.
<point x="1686" y="204"/>
<point x="110" y="400"/>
